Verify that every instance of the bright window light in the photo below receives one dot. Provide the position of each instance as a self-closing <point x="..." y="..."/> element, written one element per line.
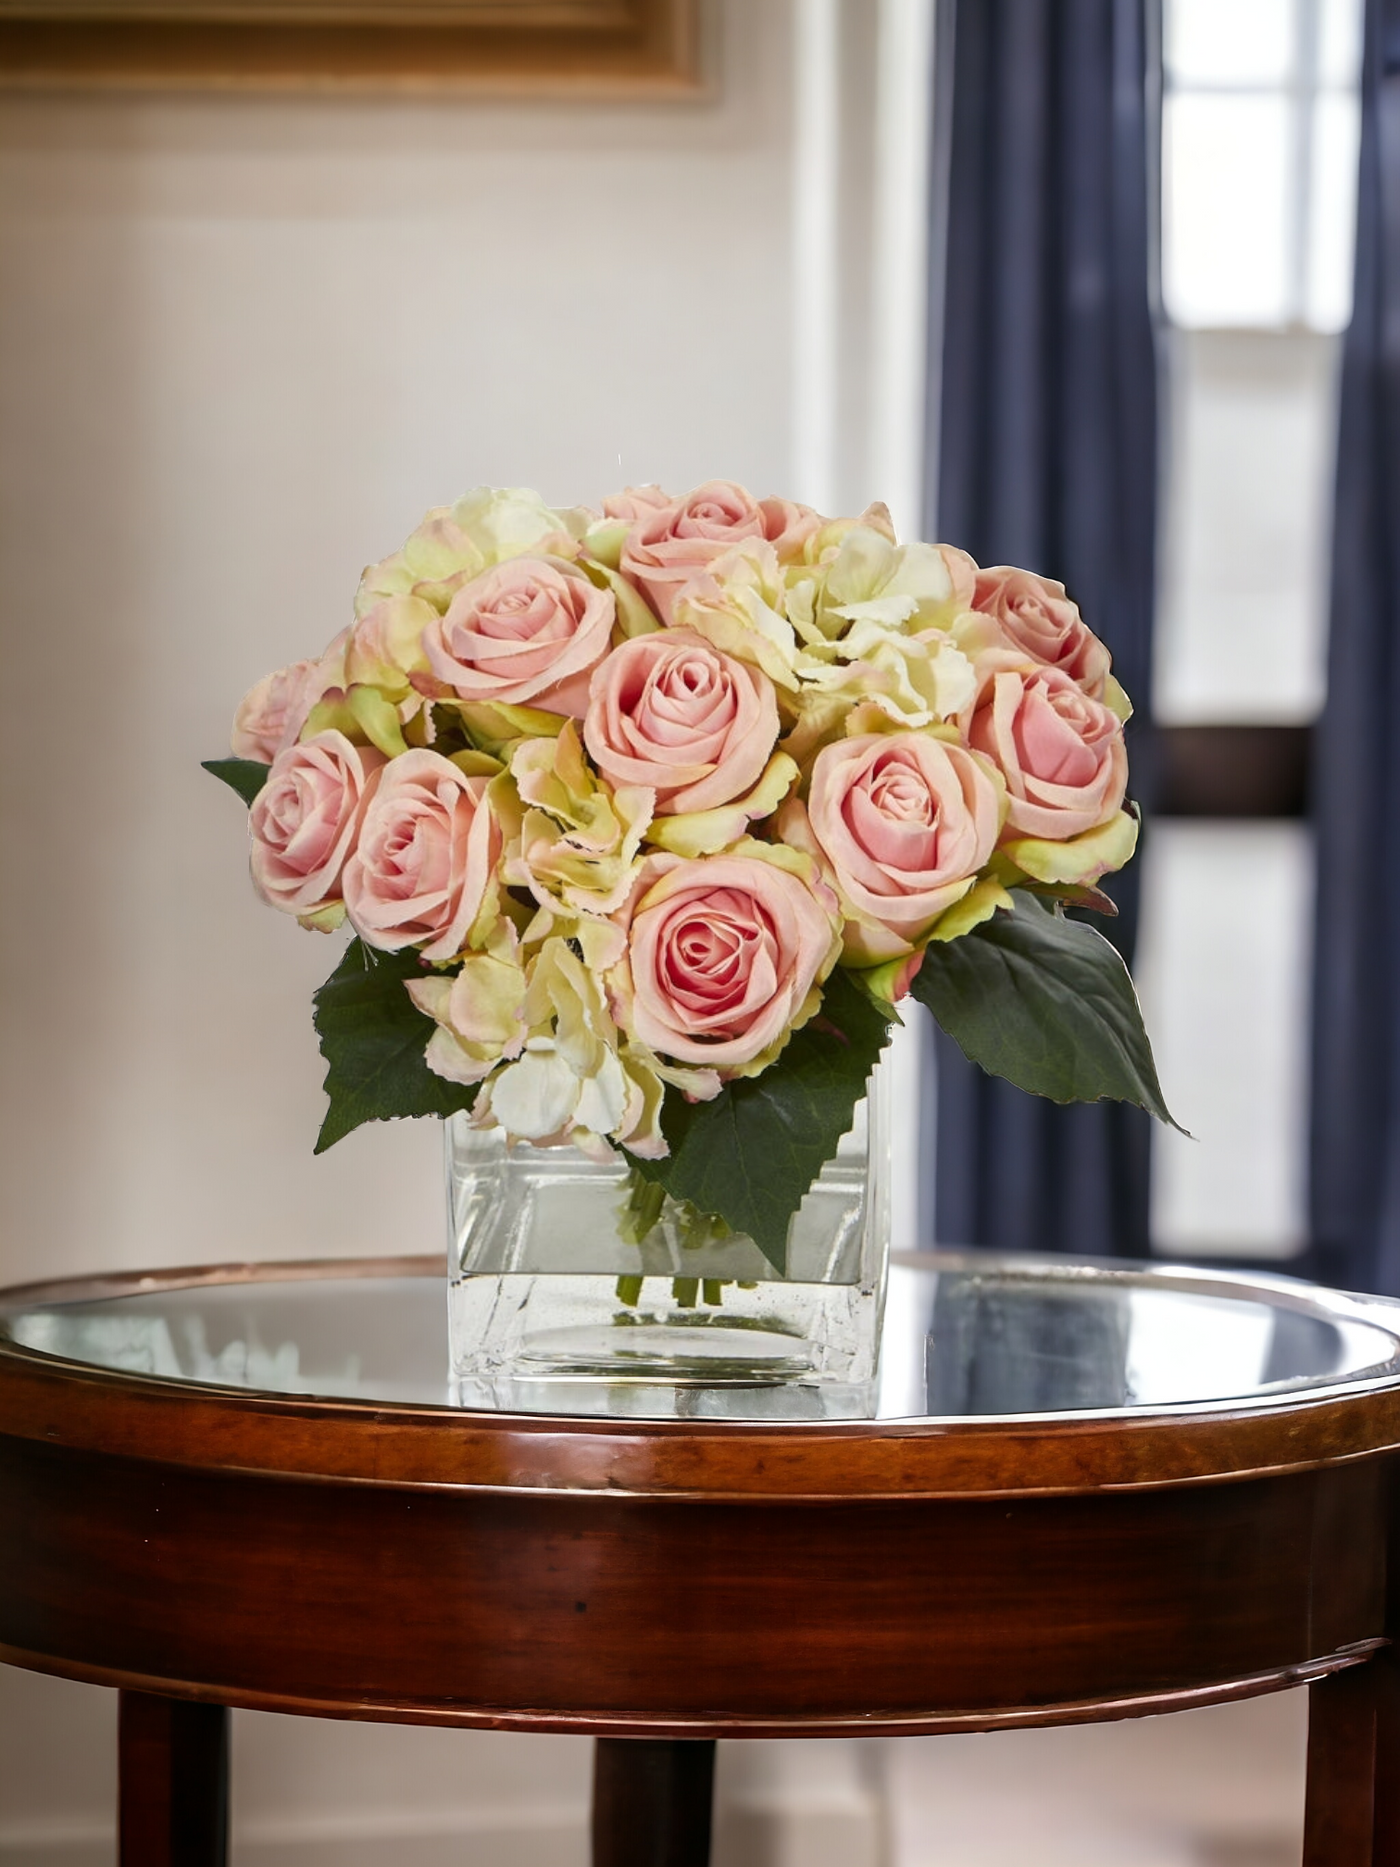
<point x="1336" y="146"/>
<point x="1339" y="44"/>
<point x="1229" y="41"/>
<point x="1225" y="208"/>
<point x="1260" y="127"/>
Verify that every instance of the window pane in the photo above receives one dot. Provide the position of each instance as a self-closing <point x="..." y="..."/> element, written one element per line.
<point x="1339" y="42"/>
<point x="1229" y="41"/>
<point x="1223" y="971"/>
<point x="1242" y="627"/>
<point x="1336" y="148"/>
<point x="1225" y="196"/>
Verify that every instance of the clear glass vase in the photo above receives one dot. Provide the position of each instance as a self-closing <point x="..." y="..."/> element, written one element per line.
<point x="554" y="1308"/>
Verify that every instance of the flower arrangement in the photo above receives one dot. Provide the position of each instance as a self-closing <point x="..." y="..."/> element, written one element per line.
<point x="645" y="820"/>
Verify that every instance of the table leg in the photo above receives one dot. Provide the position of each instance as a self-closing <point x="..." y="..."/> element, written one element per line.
<point x="173" y="1782"/>
<point x="652" y="1800"/>
<point x="1353" y="1805"/>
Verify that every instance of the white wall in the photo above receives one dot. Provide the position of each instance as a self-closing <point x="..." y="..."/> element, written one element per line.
<point x="244" y="343"/>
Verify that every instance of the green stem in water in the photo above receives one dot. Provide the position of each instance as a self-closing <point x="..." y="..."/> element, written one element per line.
<point x="685" y="1290"/>
<point x="713" y="1290"/>
<point x="629" y="1291"/>
<point x="641" y="1208"/>
<point x="699" y="1230"/>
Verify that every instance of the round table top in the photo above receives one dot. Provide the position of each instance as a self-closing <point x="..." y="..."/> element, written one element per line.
<point x="998" y="1374"/>
<point x="1090" y="1490"/>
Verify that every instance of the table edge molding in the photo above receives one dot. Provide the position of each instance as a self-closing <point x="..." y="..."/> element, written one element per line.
<point x="749" y="1725"/>
<point x="105" y="1412"/>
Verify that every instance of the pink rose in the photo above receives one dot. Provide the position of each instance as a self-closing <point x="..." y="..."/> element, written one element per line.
<point x="787" y="526"/>
<point x="1034" y="616"/>
<point x="528" y="632"/>
<point x="303" y="822"/>
<point x="1061" y="753"/>
<point x="635" y="502"/>
<point x="905" y="820"/>
<point x="962" y="574"/>
<point x="724" y="957"/>
<point x="427" y="850"/>
<point x="272" y="713"/>
<point x="669" y="547"/>
<point x="671" y="712"/>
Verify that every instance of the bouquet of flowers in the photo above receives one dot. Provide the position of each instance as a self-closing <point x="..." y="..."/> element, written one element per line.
<point x="644" y="821"/>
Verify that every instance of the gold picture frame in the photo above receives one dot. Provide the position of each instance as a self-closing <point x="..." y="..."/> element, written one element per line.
<point x="590" y="47"/>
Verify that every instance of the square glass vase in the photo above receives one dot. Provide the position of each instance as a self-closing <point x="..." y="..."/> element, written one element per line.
<point x="554" y="1309"/>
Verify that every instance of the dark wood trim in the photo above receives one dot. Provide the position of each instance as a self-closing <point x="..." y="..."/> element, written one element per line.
<point x="51" y="1402"/>
<point x="603" y="48"/>
<point x="952" y="1723"/>
<point x="1229" y="771"/>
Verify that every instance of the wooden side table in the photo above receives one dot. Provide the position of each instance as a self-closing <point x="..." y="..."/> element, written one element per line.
<point x="1093" y="1493"/>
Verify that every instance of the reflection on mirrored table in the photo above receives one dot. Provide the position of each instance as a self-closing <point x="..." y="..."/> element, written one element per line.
<point x="963" y="1336"/>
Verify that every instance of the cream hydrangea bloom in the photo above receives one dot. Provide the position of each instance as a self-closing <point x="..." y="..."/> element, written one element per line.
<point x="871" y="579"/>
<point x="479" y="1012"/>
<point x="573" y="1082"/>
<point x="571" y="840"/>
<point x="456" y="543"/>
<point x="385" y="651"/>
<point x="863" y="619"/>
<point x="739" y="605"/>
<point x="912" y="680"/>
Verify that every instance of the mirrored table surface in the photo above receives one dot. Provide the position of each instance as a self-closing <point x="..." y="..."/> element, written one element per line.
<point x="964" y="1336"/>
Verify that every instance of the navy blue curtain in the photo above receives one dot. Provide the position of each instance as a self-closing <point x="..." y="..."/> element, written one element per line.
<point x="1046" y="452"/>
<point x="1355" y="1152"/>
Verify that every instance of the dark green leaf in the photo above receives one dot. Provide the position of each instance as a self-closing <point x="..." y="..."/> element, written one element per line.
<point x="751" y="1154"/>
<point x="1045" y="1002"/>
<point x="244" y="775"/>
<point x="373" y="1038"/>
